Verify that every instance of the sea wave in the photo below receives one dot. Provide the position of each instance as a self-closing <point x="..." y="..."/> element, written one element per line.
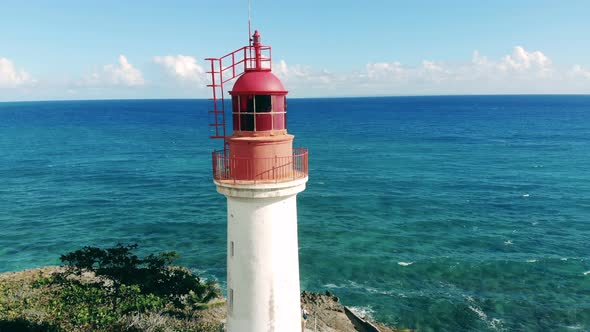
<point x="331" y="286"/>
<point x="350" y="284"/>
<point x="493" y="323"/>
<point x="364" y="312"/>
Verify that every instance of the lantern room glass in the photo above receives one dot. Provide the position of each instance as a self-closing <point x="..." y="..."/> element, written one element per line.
<point x="259" y="112"/>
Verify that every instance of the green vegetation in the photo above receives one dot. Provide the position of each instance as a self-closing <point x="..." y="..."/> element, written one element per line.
<point x="109" y="290"/>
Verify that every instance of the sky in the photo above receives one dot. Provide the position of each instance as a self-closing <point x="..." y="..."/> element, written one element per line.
<point x="106" y="49"/>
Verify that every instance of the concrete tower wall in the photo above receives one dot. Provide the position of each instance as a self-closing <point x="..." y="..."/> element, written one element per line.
<point x="263" y="260"/>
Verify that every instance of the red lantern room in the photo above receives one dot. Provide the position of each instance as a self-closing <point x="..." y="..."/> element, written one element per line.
<point x="258" y="103"/>
<point x="259" y="148"/>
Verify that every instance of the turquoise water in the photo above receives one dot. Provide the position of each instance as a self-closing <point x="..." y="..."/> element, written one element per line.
<point x="435" y="213"/>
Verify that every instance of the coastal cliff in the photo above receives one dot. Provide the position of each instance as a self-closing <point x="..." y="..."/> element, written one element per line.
<point x="27" y="303"/>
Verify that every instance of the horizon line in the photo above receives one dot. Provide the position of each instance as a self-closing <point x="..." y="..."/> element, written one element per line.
<point x="327" y="97"/>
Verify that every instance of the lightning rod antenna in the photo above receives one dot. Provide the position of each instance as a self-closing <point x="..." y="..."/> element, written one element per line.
<point x="249" y="26"/>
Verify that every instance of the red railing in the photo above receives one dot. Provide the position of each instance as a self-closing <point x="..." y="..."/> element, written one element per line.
<point x="272" y="170"/>
<point x="225" y="69"/>
<point x="228" y="66"/>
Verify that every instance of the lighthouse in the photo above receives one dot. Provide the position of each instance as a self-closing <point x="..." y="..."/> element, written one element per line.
<point x="260" y="173"/>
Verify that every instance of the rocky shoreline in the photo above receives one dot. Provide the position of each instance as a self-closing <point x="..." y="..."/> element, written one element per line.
<point x="19" y="310"/>
<point x="326" y="313"/>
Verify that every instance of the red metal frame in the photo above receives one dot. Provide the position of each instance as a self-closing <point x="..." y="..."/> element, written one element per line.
<point x="225" y="69"/>
<point x="277" y="169"/>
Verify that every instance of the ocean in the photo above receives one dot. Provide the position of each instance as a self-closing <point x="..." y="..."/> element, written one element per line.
<point x="458" y="213"/>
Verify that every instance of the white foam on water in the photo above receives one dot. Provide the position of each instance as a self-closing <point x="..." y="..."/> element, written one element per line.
<point x="331" y="286"/>
<point x="376" y="291"/>
<point x="354" y="284"/>
<point x="525" y="195"/>
<point x="531" y="260"/>
<point x="577" y="327"/>
<point x="405" y="263"/>
<point x="586" y="273"/>
<point x="494" y="323"/>
<point x="508" y="242"/>
<point x="363" y="312"/>
<point x="372" y="290"/>
<point x="564" y="259"/>
<point x="368" y="289"/>
<point x="482" y="315"/>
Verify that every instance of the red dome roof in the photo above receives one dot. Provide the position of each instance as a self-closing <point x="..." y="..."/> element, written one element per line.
<point x="258" y="82"/>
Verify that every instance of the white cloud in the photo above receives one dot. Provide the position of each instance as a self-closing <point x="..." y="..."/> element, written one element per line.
<point x="287" y="71"/>
<point x="434" y="71"/>
<point x="380" y="70"/>
<point x="432" y="67"/>
<point x="281" y="69"/>
<point x="479" y="60"/>
<point x="183" y="67"/>
<point x="11" y="77"/>
<point x="395" y="71"/>
<point x="520" y="71"/>
<point x="123" y="73"/>
<point x="521" y="60"/>
<point x="579" y="70"/>
<point x="296" y="74"/>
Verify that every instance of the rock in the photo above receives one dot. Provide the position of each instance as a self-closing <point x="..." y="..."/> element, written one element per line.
<point x="327" y="314"/>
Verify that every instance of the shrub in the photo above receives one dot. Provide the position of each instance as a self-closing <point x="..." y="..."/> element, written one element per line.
<point x="153" y="274"/>
<point x="100" y="286"/>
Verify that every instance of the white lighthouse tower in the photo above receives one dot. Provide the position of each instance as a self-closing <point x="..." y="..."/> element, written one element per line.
<point x="260" y="173"/>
